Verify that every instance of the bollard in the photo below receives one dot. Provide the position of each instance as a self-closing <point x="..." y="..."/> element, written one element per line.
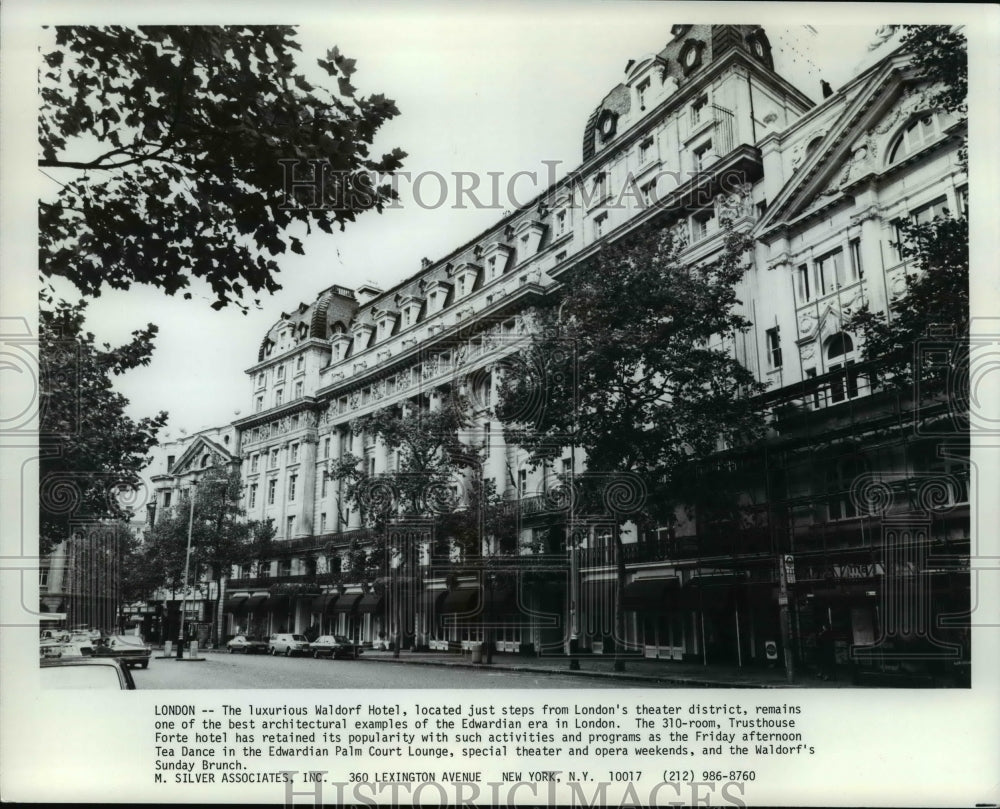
<point x="193" y="649"/>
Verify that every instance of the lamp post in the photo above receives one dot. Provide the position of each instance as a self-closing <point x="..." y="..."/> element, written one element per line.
<point x="187" y="565"/>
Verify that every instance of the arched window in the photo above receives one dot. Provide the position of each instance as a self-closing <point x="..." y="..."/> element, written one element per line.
<point x="840" y="357"/>
<point x="813" y="145"/>
<point x="917" y="134"/>
<point x="205" y="460"/>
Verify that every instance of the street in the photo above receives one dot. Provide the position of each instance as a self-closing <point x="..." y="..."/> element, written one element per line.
<point x="263" y="671"/>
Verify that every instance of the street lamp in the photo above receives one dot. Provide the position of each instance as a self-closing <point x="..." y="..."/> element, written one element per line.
<point x="187" y="564"/>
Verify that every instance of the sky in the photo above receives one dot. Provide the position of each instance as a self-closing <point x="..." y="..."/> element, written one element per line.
<point x="500" y="88"/>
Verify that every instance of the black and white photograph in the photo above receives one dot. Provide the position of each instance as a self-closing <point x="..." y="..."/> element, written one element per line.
<point x="383" y="367"/>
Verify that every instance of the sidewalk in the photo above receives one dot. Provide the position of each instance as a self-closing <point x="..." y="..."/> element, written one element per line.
<point x="654" y="672"/>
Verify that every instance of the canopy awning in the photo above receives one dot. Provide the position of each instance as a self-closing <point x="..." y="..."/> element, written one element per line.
<point x="461" y="601"/>
<point x="370" y="602"/>
<point x="648" y="594"/>
<point x="430" y="600"/>
<point x="725" y="579"/>
<point x="254" y="602"/>
<point x="278" y="601"/>
<point x="234" y="603"/>
<point x="346" y="603"/>
<point x="499" y="599"/>
<point x="324" y="602"/>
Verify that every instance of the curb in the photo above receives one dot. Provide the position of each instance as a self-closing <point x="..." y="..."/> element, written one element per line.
<point x="687" y="682"/>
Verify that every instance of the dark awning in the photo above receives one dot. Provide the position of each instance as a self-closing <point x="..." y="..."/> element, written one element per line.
<point x="458" y="601"/>
<point x="322" y="603"/>
<point x="234" y="603"/>
<point x="430" y="600"/>
<point x="347" y="602"/>
<point x="253" y="602"/>
<point x="370" y="602"/>
<point x="278" y="601"/>
<point x="717" y="579"/>
<point x="500" y="599"/>
<point x="648" y="594"/>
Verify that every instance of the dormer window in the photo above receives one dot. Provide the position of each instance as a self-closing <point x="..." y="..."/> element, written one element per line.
<point x="642" y="93"/>
<point x="437" y="296"/>
<point x="560" y="223"/>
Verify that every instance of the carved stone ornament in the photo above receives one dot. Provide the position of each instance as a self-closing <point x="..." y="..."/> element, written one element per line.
<point x="912" y="101"/>
<point x="808" y="350"/>
<point x="807" y="323"/>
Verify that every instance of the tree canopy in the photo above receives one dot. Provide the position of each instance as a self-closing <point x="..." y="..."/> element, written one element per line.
<point x="92" y="451"/>
<point x="633" y="363"/>
<point x="221" y="536"/>
<point x="171" y="145"/>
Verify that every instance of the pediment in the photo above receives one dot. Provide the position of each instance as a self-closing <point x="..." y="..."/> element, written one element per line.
<point x="192" y="459"/>
<point x="852" y="146"/>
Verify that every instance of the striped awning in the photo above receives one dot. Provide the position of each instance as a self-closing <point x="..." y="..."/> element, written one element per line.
<point x="347" y="602"/>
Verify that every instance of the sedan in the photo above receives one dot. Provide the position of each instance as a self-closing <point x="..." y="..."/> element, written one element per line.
<point x="335" y="646"/>
<point x="288" y="644"/>
<point x="247" y="645"/>
<point x="129" y="649"/>
<point x="86" y="673"/>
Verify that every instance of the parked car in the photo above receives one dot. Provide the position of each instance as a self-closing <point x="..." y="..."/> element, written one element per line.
<point x="288" y="644"/>
<point x="128" y="648"/>
<point x="86" y="673"/>
<point x="247" y="645"/>
<point x="335" y="646"/>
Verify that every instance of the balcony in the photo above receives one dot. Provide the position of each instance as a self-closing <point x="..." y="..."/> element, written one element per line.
<point x="265" y="582"/>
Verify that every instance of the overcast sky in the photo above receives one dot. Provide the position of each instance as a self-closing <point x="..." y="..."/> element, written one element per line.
<point x="483" y="88"/>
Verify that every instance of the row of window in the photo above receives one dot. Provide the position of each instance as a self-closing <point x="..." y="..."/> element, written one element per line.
<point x="279" y="396"/>
<point x="280" y="371"/>
<point x="829" y="272"/>
<point x="272" y="490"/>
<point x="293" y="457"/>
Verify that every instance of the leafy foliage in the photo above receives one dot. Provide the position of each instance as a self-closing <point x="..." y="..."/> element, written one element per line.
<point x="92" y="451"/>
<point x="220" y="535"/>
<point x="633" y="366"/>
<point x="941" y="56"/>
<point x="935" y="306"/>
<point x="172" y="143"/>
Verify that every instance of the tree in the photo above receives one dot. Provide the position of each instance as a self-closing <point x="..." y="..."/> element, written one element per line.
<point x="173" y="146"/>
<point x="221" y="537"/>
<point x="935" y="303"/>
<point x="933" y="307"/>
<point x="432" y="460"/>
<point x="632" y="363"/>
<point x="91" y="450"/>
<point x="940" y="55"/>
